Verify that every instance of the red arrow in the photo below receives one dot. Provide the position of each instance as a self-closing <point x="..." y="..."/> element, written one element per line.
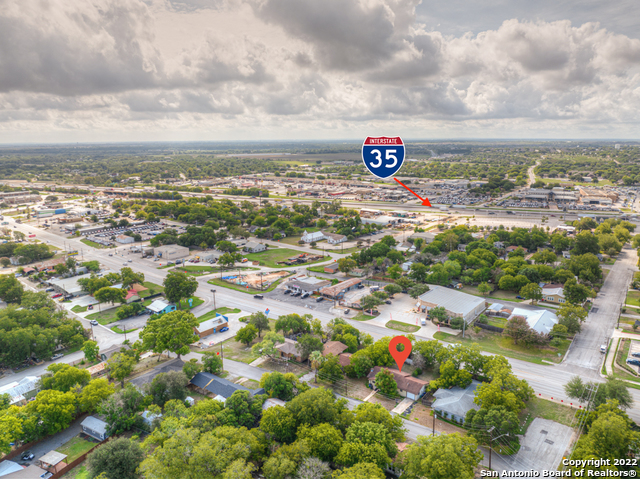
<point x="425" y="201"/>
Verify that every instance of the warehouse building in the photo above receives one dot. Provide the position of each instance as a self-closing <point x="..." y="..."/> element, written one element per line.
<point x="456" y="303"/>
<point x="171" y="252"/>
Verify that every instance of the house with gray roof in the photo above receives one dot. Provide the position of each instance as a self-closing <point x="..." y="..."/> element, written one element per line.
<point x="454" y="403"/>
<point x="94" y="427"/>
<point x="221" y="389"/>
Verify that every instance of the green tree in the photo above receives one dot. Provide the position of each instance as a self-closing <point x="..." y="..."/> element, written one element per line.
<point x="278" y="385"/>
<point x="178" y="286"/>
<point x="267" y="347"/>
<point x="392" y="289"/>
<point x="260" y="321"/>
<point x="168" y="386"/>
<point x="318" y="405"/>
<point x="362" y="470"/>
<point x="576" y="293"/>
<point x="94" y="393"/>
<point x="129" y="277"/>
<point x="418" y="272"/>
<point x="191" y="368"/>
<point x="279" y="423"/>
<point x="63" y="377"/>
<point x="484" y="288"/>
<point x="441" y="457"/>
<point x="331" y="370"/>
<point x="110" y="295"/>
<point x="307" y="344"/>
<point x="585" y="242"/>
<point x="316" y="359"/>
<point x="376" y="413"/>
<point x="120" y="367"/>
<point x="518" y="329"/>
<point x="369" y="302"/>
<point x="346" y="264"/>
<point x="53" y="409"/>
<point x="212" y="363"/>
<point x="386" y="383"/>
<point x="117" y="459"/>
<point x="91" y="350"/>
<point x="11" y="289"/>
<point x="418" y="290"/>
<point x="10" y="431"/>
<point x="572" y="317"/>
<point x="247" y="334"/>
<point x="172" y="332"/>
<point x="531" y="291"/>
<point x="395" y="271"/>
<point x="324" y="440"/>
<point x="352" y="453"/>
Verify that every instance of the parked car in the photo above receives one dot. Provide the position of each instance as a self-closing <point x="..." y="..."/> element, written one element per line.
<point x="635" y="355"/>
<point x="27" y="456"/>
<point x="633" y="362"/>
<point x="130" y="260"/>
<point x="319" y="299"/>
<point x="49" y="290"/>
<point x="519" y="297"/>
<point x="305" y="295"/>
<point x="224" y="329"/>
<point x="347" y="311"/>
<point x="57" y="295"/>
<point x="94" y="322"/>
<point x="258" y="296"/>
<point x="56" y="356"/>
<point x="387" y="302"/>
<point x="90" y="307"/>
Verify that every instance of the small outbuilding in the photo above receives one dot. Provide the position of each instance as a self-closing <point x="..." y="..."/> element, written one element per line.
<point x="94" y="427"/>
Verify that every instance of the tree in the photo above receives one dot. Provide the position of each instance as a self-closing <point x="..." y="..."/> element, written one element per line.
<point x="178" y="286"/>
<point x="611" y="389"/>
<point x="307" y="344"/>
<point x="316" y="359"/>
<point x="191" y="368"/>
<point x="346" y="264"/>
<point x="324" y="440"/>
<point x="394" y="271"/>
<point x="94" y="393"/>
<point x="585" y="242"/>
<point x="212" y="363"/>
<point x="499" y="418"/>
<point x="91" y="350"/>
<point x="369" y="302"/>
<point x="318" y="405"/>
<point x="439" y="313"/>
<point x="168" y="386"/>
<point x="279" y="423"/>
<point x="4" y="261"/>
<point x="352" y="453"/>
<point x="278" y="385"/>
<point x="362" y="470"/>
<point x="54" y="410"/>
<point x="576" y="293"/>
<point x="247" y="334"/>
<point x="242" y="409"/>
<point x="392" y="289"/>
<point x="117" y="459"/>
<point x="441" y="457"/>
<point x="63" y="377"/>
<point x="331" y="370"/>
<point x="110" y="295"/>
<point x="572" y="317"/>
<point x="531" y="291"/>
<point x="267" y="347"/>
<point x="120" y="367"/>
<point x="386" y="383"/>
<point x="418" y="272"/>
<point x="10" y="431"/>
<point x="504" y="389"/>
<point x="260" y="321"/>
<point x="418" y="290"/>
<point x="484" y="288"/>
<point x="129" y="277"/>
<point x="11" y="289"/>
<point x="172" y="332"/>
<point x="313" y="468"/>
<point x="544" y="257"/>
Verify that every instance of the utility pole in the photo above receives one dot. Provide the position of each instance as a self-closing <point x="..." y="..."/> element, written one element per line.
<point x="214" y="299"/>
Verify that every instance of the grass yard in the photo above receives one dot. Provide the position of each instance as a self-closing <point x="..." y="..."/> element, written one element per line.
<point x="610" y="261"/>
<point x="251" y="384"/>
<point x="497" y="322"/>
<point x="271" y="257"/>
<point x="93" y="244"/>
<point x="116" y="329"/>
<point x="497" y="294"/>
<point x="152" y="289"/>
<point x="316" y="269"/>
<point x="75" y="448"/>
<point x="362" y="317"/>
<point x="633" y="298"/>
<point x="104" y="317"/>
<point x="184" y="303"/>
<point x="400" y="326"/>
<point x="537" y="407"/>
<point x="498" y="344"/>
<point x="79" y="309"/>
<point x="79" y="472"/>
<point x="212" y="314"/>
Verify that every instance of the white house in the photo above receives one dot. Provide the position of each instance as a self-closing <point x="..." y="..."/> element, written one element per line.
<point x="540" y="320"/>
<point x="253" y="247"/>
<point x="333" y="238"/>
<point x="124" y="239"/>
<point x="311" y="237"/>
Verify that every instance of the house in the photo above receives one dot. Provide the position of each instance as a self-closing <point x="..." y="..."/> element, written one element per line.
<point x="160" y="306"/>
<point x="8" y="471"/>
<point x="512" y="248"/>
<point x="337" y="291"/>
<point x="53" y="461"/>
<point x="553" y="294"/>
<point x="20" y="391"/>
<point x="334" y="347"/>
<point x="313" y="237"/>
<point x="211" y="326"/>
<point x="333" y="238"/>
<point x="456" y="303"/>
<point x="219" y="388"/>
<point x="148" y="417"/>
<point x="454" y="403"/>
<point x="131" y="296"/>
<point x="331" y="268"/>
<point x="498" y="244"/>
<point x="408" y="386"/>
<point x="289" y="349"/>
<point x="566" y="254"/>
<point x="138" y="288"/>
<point x="427" y="236"/>
<point x="94" y="427"/>
<point x="540" y="320"/>
<point x="97" y="370"/>
<point x="307" y="284"/>
<point x="498" y="309"/>
<point x="357" y="272"/>
<point x="9" y="467"/>
<point x="345" y="359"/>
<point x="462" y="247"/>
<point x="124" y="239"/>
<point x="253" y="247"/>
<point x="406" y="266"/>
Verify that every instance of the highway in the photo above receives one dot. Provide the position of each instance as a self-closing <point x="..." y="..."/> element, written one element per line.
<point x="583" y="358"/>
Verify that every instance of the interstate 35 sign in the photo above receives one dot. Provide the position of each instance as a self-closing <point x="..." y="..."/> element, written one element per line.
<point x="383" y="156"/>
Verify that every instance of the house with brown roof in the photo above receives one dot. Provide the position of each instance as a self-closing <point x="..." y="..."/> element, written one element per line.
<point x="334" y="347"/>
<point x="333" y="238"/>
<point x="408" y="386"/>
<point x="138" y="288"/>
<point x="289" y="349"/>
<point x="345" y="359"/>
<point x="331" y="268"/>
<point x="337" y="291"/>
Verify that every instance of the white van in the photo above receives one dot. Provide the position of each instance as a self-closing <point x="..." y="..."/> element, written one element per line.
<point x="423" y="322"/>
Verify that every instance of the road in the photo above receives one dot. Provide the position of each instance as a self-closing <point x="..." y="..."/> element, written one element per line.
<point x="583" y="357"/>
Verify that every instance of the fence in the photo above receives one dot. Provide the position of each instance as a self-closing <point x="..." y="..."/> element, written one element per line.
<point x="79" y="460"/>
<point x="488" y="327"/>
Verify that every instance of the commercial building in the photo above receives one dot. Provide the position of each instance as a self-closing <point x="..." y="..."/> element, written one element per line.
<point x="253" y="247"/>
<point x="456" y="303"/>
<point x="124" y="239"/>
<point x="307" y="284"/>
<point x="69" y="286"/>
<point x="19" y="197"/>
<point x="337" y="291"/>
<point x="20" y="391"/>
<point x="171" y="252"/>
<point x="333" y="238"/>
<point x="160" y="306"/>
<point x="331" y="268"/>
<point x="211" y="326"/>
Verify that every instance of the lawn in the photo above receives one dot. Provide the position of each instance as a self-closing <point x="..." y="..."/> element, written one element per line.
<point x="400" y="326"/>
<point x="624" y="371"/>
<point x="316" y="269"/>
<point x="497" y="322"/>
<point x="271" y="257"/>
<point x="537" y="407"/>
<point x="184" y="303"/>
<point x="212" y="314"/>
<point x="80" y="472"/>
<point x="93" y="244"/>
<point x="244" y="289"/>
<point x="633" y="298"/>
<point x="497" y="294"/>
<point x="116" y="329"/>
<point x="498" y="344"/>
<point x="362" y="317"/>
<point x="152" y="289"/>
<point x="79" y="309"/>
<point x="75" y="448"/>
<point x="104" y="317"/>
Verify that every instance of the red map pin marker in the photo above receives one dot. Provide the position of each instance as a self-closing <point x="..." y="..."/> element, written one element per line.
<point x="400" y="356"/>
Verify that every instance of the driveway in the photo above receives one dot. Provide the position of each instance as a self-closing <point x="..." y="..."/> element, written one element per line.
<point x="403" y="309"/>
<point x="55" y="441"/>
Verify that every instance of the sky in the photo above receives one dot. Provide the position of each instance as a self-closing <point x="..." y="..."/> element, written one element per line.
<point x="219" y="70"/>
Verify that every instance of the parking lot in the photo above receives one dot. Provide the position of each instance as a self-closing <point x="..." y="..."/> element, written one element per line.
<point x="306" y="305"/>
<point x="146" y="231"/>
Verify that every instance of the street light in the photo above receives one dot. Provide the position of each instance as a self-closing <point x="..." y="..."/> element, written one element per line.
<point x="491" y="442"/>
<point x="214" y="299"/>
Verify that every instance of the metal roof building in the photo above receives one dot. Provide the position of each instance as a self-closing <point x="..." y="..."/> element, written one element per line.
<point x="456" y="303"/>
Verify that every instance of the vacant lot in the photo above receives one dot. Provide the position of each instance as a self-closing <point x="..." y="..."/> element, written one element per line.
<point x="544" y="409"/>
<point x="104" y="317"/>
<point x="272" y="257"/>
<point x="152" y="289"/>
<point x="633" y="298"/>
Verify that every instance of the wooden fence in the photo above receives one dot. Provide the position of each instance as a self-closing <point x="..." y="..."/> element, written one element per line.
<point x="79" y="460"/>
